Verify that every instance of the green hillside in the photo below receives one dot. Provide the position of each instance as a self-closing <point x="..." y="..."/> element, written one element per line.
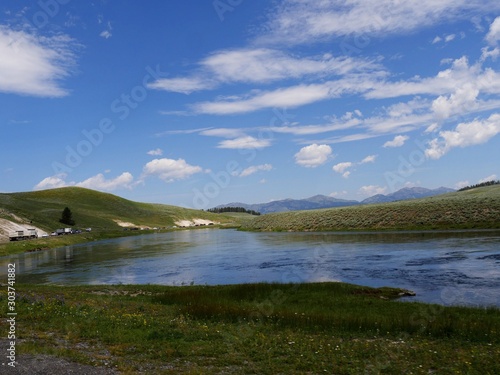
<point x="477" y="208"/>
<point x="93" y="209"/>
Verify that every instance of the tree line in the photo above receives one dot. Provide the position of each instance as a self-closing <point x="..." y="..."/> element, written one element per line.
<point x="487" y="183"/>
<point x="220" y="210"/>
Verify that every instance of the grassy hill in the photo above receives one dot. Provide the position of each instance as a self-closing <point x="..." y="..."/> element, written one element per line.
<point x="99" y="211"/>
<point x="93" y="209"/>
<point x="477" y="208"/>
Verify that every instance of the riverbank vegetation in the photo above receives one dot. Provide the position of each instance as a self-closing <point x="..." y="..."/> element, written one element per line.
<point x="315" y="328"/>
<point x="477" y="208"/>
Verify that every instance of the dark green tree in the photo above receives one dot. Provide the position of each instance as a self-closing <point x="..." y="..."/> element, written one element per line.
<point x="67" y="217"/>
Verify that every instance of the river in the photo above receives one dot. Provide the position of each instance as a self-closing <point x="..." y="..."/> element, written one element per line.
<point x="450" y="268"/>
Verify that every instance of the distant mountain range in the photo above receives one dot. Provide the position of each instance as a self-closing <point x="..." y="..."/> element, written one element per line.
<point x="323" y="201"/>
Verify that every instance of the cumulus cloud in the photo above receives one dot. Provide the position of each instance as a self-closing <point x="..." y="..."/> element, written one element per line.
<point x="461" y="184"/>
<point x="52" y="182"/>
<point x="254" y="169"/>
<point x="492" y="177"/>
<point x="342" y="168"/>
<point x="370" y="190"/>
<point x="465" y="134"/>
<point x="34" y="65"/>
<point x="99" y="182"/>
<point x="493" y="35"/>
<point x="170" y="170"/>
<point x="313" y="155"/>
<point x="156" y="152"/>
<point x="462" y="100"/>
<point x="398" y="141"/>
<point x="369" y="159"/>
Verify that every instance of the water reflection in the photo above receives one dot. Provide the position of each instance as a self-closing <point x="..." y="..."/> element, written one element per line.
<point x="442" y="267"/>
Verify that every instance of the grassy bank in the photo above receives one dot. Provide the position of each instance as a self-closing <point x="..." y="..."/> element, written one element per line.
<point x="472" y="209"/>
<point x="254" y="329"/>
<point x="41" y="244"/>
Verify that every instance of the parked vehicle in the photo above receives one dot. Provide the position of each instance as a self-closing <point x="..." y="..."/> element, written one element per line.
<point x="23" y="234"/>
<point x="62" y="231"/>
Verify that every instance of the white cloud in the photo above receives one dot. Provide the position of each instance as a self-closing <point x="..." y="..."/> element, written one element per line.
<point x="461" y="184"/>
<point x="449" y="38"/>
<point x="99" y="182"/>
<point x="490" y="53"/>
<point x="157" y="152"/>
<point x="182" y="85"/>
<point x="265" y="65"/>
<point x="52" y="182"/>
<point x="34" y="65"/>
<point x="313" y="155"/>
<point x="465" y="134"/>
<point x="370" y="190"/>
<point x="493" y="35"/>
<point x="254" y="169"/>
<point x="302" y="21"/>
<point x="462" y="100"/>
<point x="223" y="132"/>
<point x="398" y="141"/>
<point x="284" y="97"/>
<point x="106" y="34"/>
<point x="492" y="177"/>
<point x="458" y="90"/>
<point x="260" y="65"/>
<point x="446" y="39"/>
<point x="342" y="167"/>
<point x="459" y="75"/>
<point x="245" y="142"/>
<point x="437" y="39"/>
<point x="336" y="194"/>
<point x="170" y="170"/>
<point x="368" y="159"/>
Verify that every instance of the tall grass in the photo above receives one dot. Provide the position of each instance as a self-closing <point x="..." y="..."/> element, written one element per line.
<point x="253" y="329"/>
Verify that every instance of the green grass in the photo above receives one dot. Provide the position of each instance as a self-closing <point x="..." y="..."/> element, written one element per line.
<point x="472" y="209"/>
<point x="254" y="329"/>
<point x="90" y="209"/>
<point x="94" y="209"/>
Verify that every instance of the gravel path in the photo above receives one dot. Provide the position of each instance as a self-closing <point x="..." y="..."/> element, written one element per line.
<point x="44" y="364"/>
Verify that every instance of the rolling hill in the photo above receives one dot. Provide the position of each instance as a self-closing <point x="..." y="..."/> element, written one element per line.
<point x="93" y="209"/>
<point x="477" y="208"/>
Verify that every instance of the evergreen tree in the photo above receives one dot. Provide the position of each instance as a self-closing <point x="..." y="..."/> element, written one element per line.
<point x="67" y="217"/>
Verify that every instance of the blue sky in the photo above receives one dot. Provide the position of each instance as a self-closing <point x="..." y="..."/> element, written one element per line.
<point x="200" y="103"/>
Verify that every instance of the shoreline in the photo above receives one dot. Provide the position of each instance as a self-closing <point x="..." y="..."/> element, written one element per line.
<point x="9" y="248"/>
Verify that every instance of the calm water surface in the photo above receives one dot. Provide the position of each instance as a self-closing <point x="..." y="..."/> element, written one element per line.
<point x="443" y="267"/>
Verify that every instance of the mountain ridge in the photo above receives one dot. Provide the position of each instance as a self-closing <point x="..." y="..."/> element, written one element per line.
<point x="320" y="201"/>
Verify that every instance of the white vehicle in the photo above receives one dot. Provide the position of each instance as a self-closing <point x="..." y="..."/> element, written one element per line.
<point x="25" y="234"/>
